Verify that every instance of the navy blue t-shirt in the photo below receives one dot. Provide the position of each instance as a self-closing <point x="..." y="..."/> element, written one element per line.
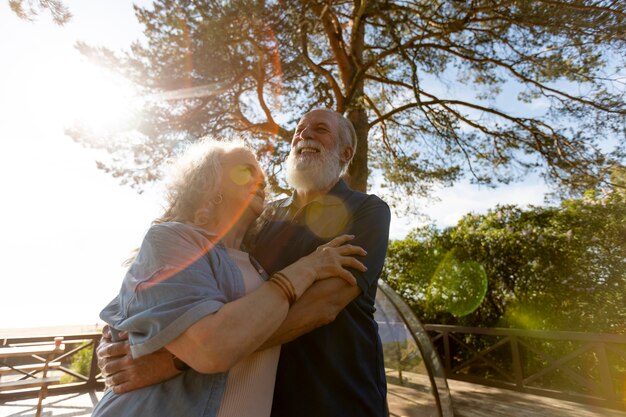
<point x="337" y="369"/>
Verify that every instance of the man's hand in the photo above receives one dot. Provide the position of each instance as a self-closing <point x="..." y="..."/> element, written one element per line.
<point x="123" y="373"/>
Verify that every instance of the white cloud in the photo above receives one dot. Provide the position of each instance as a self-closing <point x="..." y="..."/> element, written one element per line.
<point x="455" y="202"/>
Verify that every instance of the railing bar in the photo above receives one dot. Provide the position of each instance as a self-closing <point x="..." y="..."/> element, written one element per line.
<point x="66" y="338"/>
<point x="74" y="374"/>
<point x="537" y="334"/>
<point x="71" y="352"/>
<point x="94" y="363"/>
<point x="556" y="364"/>
<point x="573" y="374"/>
<point x="612" y="344"/>
<point x="483" y="352"/>
<point x="446" y="348"/>
<point x="606" y="381"/>
<point x="488" y="362"/>
<point x="517" y="364"/>
<point x="480" y="355"/>
<point x="616" y="350"/>
<point x="25" y="373"/>
<point x="438" y="336"/>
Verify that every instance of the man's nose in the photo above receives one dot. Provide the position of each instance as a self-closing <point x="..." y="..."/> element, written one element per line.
<point x="306" y="133"/>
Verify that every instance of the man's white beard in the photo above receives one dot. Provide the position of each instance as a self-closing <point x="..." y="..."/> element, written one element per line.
<point x="313" y="172"/>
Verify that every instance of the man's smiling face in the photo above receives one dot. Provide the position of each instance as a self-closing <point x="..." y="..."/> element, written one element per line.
<point x="316" y="131"/>
<point x="314" y="162"/>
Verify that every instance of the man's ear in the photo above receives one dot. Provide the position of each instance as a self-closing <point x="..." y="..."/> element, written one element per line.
<point x="346" y="154"/>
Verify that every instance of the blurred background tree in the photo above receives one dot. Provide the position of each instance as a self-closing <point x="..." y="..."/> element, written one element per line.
<point x="430" y="86"/>
<point x="30" y="10"/>
<point x="547" y="268"/>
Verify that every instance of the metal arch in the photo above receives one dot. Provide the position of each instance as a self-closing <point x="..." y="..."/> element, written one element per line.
<point x="433" y="364"/>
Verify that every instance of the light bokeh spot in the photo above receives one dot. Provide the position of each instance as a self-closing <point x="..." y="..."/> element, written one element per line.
<point x="328" y="219"/>
<point x="240" y="175"/>
<point x="457" y="287"/>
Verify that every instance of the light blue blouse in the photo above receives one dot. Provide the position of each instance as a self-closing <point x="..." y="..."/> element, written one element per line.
<point x="178" y="277"/>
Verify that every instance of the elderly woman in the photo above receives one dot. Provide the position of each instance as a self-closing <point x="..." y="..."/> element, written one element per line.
<point x="191" y="291"/>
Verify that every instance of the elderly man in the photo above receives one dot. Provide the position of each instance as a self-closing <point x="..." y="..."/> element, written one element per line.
<point x="331" y="361"/>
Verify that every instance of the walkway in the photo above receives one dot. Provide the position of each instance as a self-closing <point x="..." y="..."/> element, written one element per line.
<point x="469" y="400"/>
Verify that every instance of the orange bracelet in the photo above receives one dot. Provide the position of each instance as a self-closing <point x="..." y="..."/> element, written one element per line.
<point x="283" y="277"/>
<point x="282" y="282"/>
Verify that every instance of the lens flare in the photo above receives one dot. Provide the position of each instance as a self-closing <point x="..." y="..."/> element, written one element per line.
<point x="457" y="287"/>
<point x="524" y="317"/>
<point x="240" y="175"/>
<point x="329" y="219"/>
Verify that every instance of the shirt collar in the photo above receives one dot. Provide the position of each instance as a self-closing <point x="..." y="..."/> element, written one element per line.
<point x="212" y="236"/>
<point x="333" y="197"/>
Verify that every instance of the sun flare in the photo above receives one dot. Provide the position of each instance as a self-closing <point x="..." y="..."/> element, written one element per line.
<point x="99" y="99"/>
<point x="75" y="92"/>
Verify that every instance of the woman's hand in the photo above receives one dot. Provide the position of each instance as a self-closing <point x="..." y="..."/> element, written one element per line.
<point x="332" y="259"/>
<point x="328" y="260"/>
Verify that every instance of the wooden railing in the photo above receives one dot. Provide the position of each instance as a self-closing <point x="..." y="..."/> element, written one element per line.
<point x="72" y="379"/>
<point x="582" y="367"/>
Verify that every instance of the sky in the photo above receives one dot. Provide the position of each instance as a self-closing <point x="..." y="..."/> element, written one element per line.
<point x="69" y="226"/>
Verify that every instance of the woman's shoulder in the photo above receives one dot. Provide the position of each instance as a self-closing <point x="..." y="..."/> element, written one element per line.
<point x="178" y="230"/>
<point x="173" y="238"/>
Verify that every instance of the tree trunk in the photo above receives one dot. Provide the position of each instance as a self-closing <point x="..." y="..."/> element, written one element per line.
<point x="358" y="172"/>
<point x="355" y="91"/>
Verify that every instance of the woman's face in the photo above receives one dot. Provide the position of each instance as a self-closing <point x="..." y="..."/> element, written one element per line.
<point x="243" y="182"/>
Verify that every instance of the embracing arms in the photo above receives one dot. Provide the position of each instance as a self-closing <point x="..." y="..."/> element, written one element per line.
<point x="319" y="305"/>
<point x="217" y="341"/>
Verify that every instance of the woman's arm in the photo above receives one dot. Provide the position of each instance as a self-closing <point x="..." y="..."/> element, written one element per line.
<point x="318" y="306"/>
<point x="242" y="325"/>
<point x="217" y="342"/>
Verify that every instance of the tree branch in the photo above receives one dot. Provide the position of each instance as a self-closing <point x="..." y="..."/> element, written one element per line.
<point x="319" y="69"/>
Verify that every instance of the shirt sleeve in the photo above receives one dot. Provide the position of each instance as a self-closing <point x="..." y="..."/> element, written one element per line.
<point x="170" y="286"/>
<point x="370" y="227"/>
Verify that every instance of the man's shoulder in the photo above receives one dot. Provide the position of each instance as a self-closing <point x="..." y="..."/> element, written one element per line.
<point x="359" y="199"/>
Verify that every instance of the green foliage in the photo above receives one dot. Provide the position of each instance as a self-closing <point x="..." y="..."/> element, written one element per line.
<point x="80" y="363"/>
<point x="560" y="268"/>
<point x="252" y="68"/>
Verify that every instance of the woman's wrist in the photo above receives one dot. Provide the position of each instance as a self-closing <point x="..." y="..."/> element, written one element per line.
<point x="285" y="285"/>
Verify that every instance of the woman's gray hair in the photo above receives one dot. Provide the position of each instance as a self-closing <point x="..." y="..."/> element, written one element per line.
<point x="194" y="178"/>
